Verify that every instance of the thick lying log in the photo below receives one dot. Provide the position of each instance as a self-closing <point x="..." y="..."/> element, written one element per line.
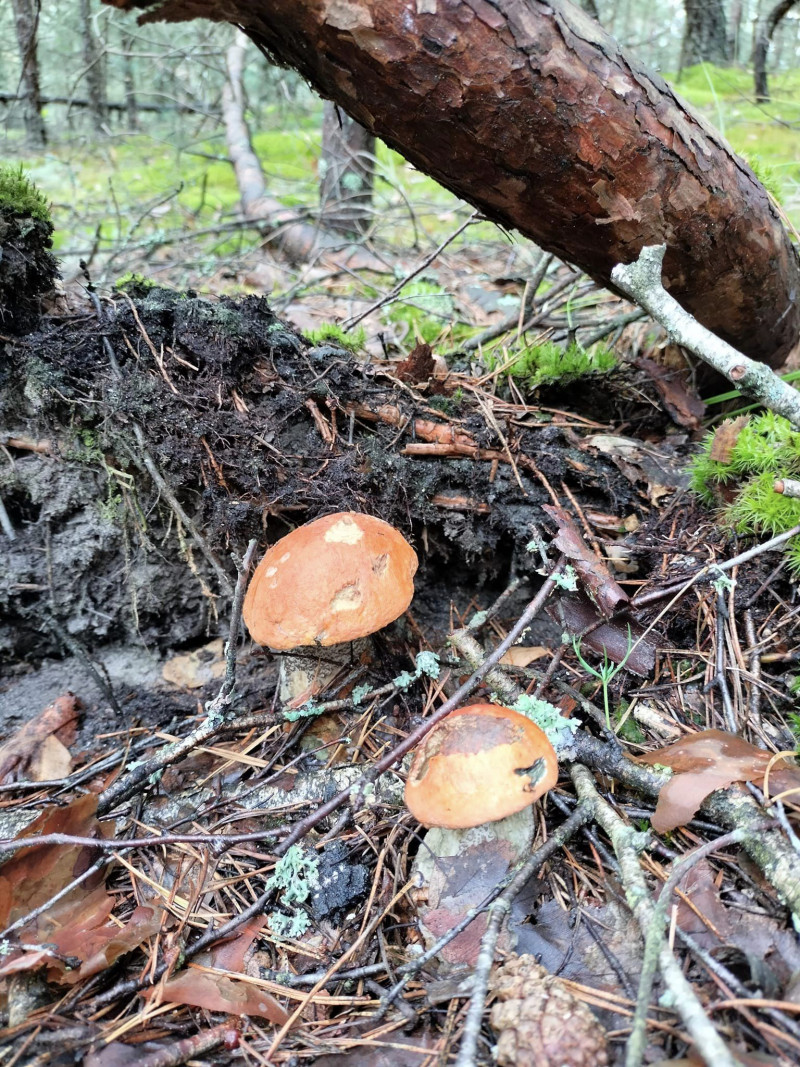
<point x="531" y="112"/>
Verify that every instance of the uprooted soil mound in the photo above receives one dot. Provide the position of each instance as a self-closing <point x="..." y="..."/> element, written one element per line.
<point x="154" y="433"/>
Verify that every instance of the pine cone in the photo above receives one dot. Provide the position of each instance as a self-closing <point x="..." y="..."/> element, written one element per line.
<point x="541" y="1023"/>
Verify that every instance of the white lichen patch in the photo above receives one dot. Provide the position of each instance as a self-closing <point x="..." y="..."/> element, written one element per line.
<point x="344" y="532"/>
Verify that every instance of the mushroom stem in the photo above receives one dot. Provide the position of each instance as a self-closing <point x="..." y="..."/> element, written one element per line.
<point x="304" y="672"/>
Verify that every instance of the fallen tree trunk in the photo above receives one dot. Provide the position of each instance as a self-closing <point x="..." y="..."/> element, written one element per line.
<point x="534" y="114"/>
<point x="299" y="240"/>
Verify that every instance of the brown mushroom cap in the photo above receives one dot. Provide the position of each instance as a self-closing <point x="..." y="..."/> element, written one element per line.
<point x="481" y="763"/>
<point x="336" y="579"/>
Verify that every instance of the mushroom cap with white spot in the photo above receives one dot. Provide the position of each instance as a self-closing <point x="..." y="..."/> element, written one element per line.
<point x="336" y="579"/>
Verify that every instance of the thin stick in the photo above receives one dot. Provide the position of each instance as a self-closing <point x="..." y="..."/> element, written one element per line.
<point x="218" y="710"/>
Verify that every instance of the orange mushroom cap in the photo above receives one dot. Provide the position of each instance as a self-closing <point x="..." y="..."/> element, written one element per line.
<point x="335" y="579"/>
<point x="479" y="764"/>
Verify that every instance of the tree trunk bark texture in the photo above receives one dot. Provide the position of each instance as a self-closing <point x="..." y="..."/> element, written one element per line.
<point x="532" y="113"/>
<point x="94" y="72"/>
<point x="705" y="36"/>
<point x="765" y="30"/>
<point x="346" y="173"/>
<point x="26" y="22"/>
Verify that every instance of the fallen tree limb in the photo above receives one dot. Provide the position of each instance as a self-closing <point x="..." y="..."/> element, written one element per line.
<point x="533" y="114"/>
<point x="641" y="281"/>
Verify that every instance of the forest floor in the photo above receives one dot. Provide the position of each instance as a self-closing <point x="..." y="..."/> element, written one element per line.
<point x="219" y="878"/>
<point x="230" y="879"/>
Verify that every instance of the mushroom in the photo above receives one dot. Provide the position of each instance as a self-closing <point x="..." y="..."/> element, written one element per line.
<point x="479" y="764"/>
<point x="327" y="584"/>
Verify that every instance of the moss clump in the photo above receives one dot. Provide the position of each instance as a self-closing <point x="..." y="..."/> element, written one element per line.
<point x="20" y="195"/>
<point x="550" y="364"/>
<point x="737" y="468"/>
<point x="28" y="270"/>
<point x="331" y="334"/>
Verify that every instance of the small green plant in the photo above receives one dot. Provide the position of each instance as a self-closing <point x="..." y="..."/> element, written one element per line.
<point x="295" y="877"/>
<point x="548" y="363"/>
<point x="332" y="334"/>
<point x="605" y="674"/>
<point x="20" y="195"/>
<point x="736" y="470"/>
<point x="425" y="307"/>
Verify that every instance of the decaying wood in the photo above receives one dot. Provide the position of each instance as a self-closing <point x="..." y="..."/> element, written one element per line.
<point x="534" y="114"/>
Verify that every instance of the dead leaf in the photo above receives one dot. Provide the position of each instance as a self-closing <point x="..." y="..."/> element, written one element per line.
<point x="609" y="638"/>
<point x="200" y="987"/>
<point x="594" y="574"/>
<point x="59" y="718"/>
<point x="33" y="875"/>
<point x="725" y="437"/>
<point x="523" y="655"/>
<point x="78" y="926"/>
<point x="195" y="669"/>
<point x="771" y="951"/>
<point x="704" y="762"/>
<point x="418" y="366"/>
<point x="218" y="992"/>
<point x="684" y="407"/>
<point x="51" y="761"/>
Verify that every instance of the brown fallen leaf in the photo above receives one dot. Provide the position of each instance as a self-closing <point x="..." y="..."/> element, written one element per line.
<point x="200" y="987"/>
<point x="592" y="570"/>
<point x="418" y="366"/>
<point x="218" y="992"/>
<point x="609" y="638"/>
<point x="725" y="437"/>
<point x="33" y="875"/>
<point x="51" y="761"/>
<point x="195" y="669"/>
<point x="523" y="655"/>
<point x="59" y="719"/>
<point x="685" y="407"/>
<point x="706" y="761"/>
<point x="79" y="926"/>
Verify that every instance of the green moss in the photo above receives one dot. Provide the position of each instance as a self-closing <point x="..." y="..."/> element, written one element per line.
<point x="20" y="195"/>
<point x="332" y="334"/>
<point x="549" y="363"/>
<point x="766" y="448"/>
<point x="134" y="284"/>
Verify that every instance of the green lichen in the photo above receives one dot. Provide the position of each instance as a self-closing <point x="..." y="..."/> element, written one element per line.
<point x="20" y="195"/>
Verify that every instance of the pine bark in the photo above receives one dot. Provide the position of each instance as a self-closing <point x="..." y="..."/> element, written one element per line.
<point x="535" y="115"/>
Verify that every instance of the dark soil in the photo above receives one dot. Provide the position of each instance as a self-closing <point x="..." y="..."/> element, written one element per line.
<point x="218" y="398"/>
<point x="28" y="270"/>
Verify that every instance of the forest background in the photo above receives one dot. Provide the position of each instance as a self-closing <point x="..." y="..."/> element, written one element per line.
<point x="122" y="128"/>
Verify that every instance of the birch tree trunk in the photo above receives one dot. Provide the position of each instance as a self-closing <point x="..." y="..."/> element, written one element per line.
<point x="534" y="114"/>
